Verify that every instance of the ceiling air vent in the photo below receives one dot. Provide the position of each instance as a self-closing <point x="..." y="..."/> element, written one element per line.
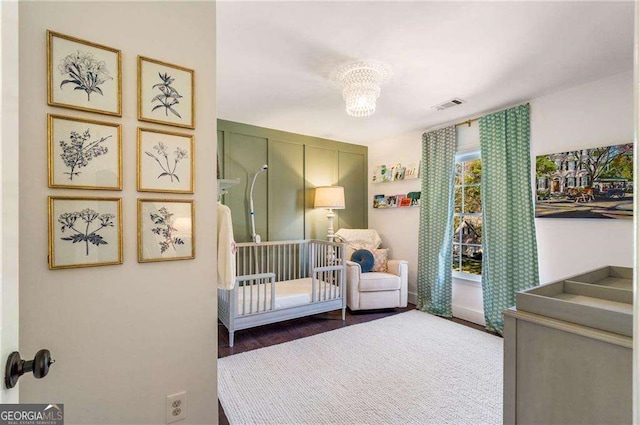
<point x="448" y="104"/>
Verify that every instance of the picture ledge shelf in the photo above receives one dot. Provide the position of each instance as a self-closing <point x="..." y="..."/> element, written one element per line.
<point x="397" y="181"/>
<point x="396" y="208"/>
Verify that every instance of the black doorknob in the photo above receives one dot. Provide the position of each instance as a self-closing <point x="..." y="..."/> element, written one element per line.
<point x="16" y="367"/>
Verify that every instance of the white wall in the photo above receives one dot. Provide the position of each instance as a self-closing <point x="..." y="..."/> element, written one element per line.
<point x="595" y="114"/>
<point x="9" y="189"/>
<point x="124" y="336"/>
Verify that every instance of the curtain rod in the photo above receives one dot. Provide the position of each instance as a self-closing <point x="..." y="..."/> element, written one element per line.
<point x="469" y="121"/>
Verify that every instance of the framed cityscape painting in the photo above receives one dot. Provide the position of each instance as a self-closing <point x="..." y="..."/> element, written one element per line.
<point x="83" y="75"/>
<point x="84" y="154"/>
<point x="166" y="230"/>
<point x="166" y="93"/>
<point x="166" y="161"/>
<point x="586" y="183"/>
<point x="84" y="232"/>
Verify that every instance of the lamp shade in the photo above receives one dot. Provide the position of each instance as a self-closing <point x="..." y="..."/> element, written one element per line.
<point x="329" y="197"/>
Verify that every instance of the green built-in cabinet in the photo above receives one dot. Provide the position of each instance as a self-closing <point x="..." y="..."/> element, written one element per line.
<point x="283" y="196"/>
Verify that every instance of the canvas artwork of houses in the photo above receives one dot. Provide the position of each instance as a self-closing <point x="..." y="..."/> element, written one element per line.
<point x="586" y="183"/>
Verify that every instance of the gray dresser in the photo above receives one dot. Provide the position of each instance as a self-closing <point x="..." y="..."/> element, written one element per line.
<point x="568" y="351"/>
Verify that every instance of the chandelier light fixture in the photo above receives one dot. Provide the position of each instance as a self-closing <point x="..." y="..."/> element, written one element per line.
<point x="361" y="85"/>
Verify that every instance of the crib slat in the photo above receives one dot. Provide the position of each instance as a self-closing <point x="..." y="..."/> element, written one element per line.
<point x="244" y="298"/>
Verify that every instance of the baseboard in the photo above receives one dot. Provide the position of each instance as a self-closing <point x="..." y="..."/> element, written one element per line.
<point x="464" y="313"/>
<point x="468" y="314"/>
<point x="412" y="297"/>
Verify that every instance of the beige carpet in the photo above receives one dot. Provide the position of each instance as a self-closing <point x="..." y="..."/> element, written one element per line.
<point x="411" y="368"/>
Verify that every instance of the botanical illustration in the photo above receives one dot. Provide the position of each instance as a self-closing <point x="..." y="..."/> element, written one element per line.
<point x="165" y="161"/>
<point x="79" y="150"/>
<point x="163" y="220"/>
<point x="168" y="97"/>
<point x="165" y="93"/>
<point x="586" y="183"/>
<point x="84" y="73"/>
<point x="86" y="224"/>
<point x="168" y="169"/>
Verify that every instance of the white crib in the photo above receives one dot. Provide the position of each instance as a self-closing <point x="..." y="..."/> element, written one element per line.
<point x="279" y="281"/>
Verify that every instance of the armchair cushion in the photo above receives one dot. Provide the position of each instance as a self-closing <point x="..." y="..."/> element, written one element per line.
<point x="365" y="258"/>
<point x="376" y="281"/>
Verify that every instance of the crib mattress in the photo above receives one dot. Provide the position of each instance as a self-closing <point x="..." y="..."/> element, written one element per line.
<point x="289" y="293"/>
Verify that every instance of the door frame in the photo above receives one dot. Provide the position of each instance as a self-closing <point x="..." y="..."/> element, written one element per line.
<point x="9" y="201"/>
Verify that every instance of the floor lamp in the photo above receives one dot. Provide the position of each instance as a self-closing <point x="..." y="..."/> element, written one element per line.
<point x="331" y="198"/>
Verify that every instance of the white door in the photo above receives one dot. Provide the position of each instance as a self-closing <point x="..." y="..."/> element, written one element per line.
<point x="9" y="191"/>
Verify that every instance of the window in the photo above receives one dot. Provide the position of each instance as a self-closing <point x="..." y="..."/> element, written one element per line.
<point x="467" y="218"/>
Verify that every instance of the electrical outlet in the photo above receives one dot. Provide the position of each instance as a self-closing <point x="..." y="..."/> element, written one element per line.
<point x="176" y="407"/>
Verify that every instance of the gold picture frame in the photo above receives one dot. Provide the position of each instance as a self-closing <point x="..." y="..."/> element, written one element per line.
<point x="66" y="247"/>
<point x="80" y="61"/>
<point x="104" y="166"/>
<point x="158" y="219"/>
<point x="161" y="165"/>
<point x="165" y="85"/>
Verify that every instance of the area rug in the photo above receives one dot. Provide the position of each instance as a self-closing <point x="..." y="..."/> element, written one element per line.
<point x="411" y="368"/>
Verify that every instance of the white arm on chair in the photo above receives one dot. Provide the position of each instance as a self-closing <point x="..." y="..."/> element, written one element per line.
<point x="353" y="283"/>
<point x="401" y="268"/>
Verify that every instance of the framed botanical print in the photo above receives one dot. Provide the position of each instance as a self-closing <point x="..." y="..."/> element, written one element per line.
<point x="166" y="93"/>
<point x="166" y="161"/>
<point x="83" y="75"/>
<point x="84" y="232"/>
<point x="84" y="154"/>
<point x="166" y="230"/>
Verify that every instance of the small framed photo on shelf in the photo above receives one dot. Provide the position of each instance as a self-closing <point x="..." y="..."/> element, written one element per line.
<point x="382" y="174"/>
<point x="412" y="171"/>
<point x="392" y="201"/>
<point x="166" y="161"/>
<point x="397" y="172"/>
<point x="379" y="201"/>
<point x="403" y="201"/>
<point x="415" y="198"/>
<point x="83" y="75"/>
<point x="84" y="154"/>
<point x="84" y="232"/>
<point x="166" y="93"/>
<point x="166" y="230"/>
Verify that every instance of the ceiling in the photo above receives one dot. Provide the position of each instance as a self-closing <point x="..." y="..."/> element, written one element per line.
<point x="275" y="59"/>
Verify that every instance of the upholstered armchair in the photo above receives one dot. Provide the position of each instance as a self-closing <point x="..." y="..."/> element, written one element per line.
<point x="375" y="289"/>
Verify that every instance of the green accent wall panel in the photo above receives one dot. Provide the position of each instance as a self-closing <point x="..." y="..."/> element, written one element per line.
<point x="220" y="153"/>
<point x="284" y="195"/>
<point x="321" y="169"/>
<point x="352" y="176"/>
<point x="244" y="155"/>
<point x="286" y="191"/>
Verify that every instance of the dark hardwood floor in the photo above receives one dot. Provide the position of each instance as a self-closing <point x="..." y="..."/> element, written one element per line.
<point x="277" y="333"/>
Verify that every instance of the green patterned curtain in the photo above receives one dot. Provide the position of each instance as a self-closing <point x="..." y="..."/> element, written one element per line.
<point x="436" y="221"/>
<point x="509" y="252"/>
